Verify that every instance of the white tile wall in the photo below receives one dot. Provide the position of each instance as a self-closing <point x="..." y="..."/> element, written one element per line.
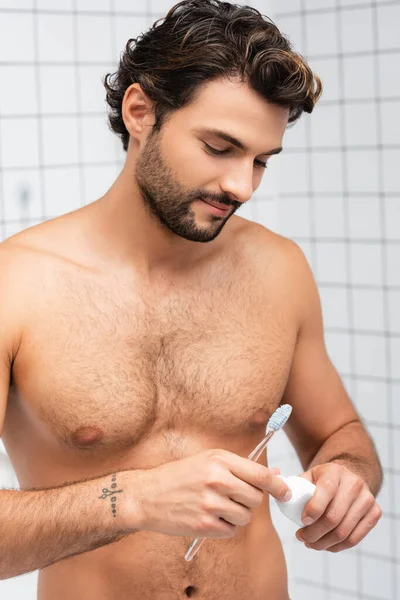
<point x="319" y="196"/>
<point x="356" y="29"/>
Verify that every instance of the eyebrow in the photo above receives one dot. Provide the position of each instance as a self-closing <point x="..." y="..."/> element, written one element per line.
<point x="223" y="135"/>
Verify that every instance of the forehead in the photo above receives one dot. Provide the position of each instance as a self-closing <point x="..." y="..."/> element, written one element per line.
<point x="233" y="105"/>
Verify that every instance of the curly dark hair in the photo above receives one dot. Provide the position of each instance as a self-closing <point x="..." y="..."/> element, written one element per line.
<point x="202" y="40"/>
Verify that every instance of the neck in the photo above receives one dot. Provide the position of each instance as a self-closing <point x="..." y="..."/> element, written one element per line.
<point x="137" y="236"/>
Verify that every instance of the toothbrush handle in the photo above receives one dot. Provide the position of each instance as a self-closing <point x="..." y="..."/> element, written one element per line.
<point x="254" y="456"/>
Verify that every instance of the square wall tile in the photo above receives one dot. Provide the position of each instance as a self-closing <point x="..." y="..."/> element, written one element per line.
<point x="303" y="591"/>
<point x="371" y="398"/>
<point x="57" y="89"/>
<point x="60" y="140"/>
<point x="368" y="309"/>
<point x="22" y="194"/>
<point x="395" y="394"/>
<point x="360" y="124"/>
<point x="331" y="262"/>
<point x="356" y="29"/>
<point x="364" y="217"/>
<point x="370" y="355"/>
<point x="334" y="303"/>
<point x="292" y="28"/>
<point x="388" y="31"/>
<point x="342" y="568"/>
<point x="52" y="5"/>
<point x="296" y="135"/>
<point x="358" y="73"/>
<point x="321" y="33"/>
<point x="97" y="180"/>
<point x="92" y="94"/>
<point x="316" y="4"/>
<point x="329" y="216"/>
<point x="62" y="190"/>
<point x="19" y="143"/>
<point x="366" y="264"/>
<point x="94" y="38"/>
<point x="16" y="37"/>
<point x="377" y="540"/>
<point x="385" y="498"/>
<point x="56" y="38"/>
<point x="362" y="170"/>
<point x="389" y="115"/>
<point x="325" y="124"/>
<point x="126" y="28"/>
<point x="327" y="70"/>
<point x="377" y="578"/>
<point x="292" y="172"/>
<point x="99" y="5"/>
<point x="396" y="448"/>
<point x="380" y="438"/>
<point x="391" y="179"/>
<point x="18" y="91"/>
<point x="15" y="4"/>
<point x="393" y="264"/>
<point x="309" y="253"/>
<point x="392" y="217"/>
<point x="327" y="171"/>
<point x="130" y="6"/>
<point x="338" y="347"/>
<point x="308" y="564"/>
<point x="388" y="71"/>
<point x="98" y="142"/>
<point x="395" y="363"/>
<point x="280" y="6"/>
<point x="394" y="310"/>
<point x="265" y="212"/>
<point x="294" y="216"/>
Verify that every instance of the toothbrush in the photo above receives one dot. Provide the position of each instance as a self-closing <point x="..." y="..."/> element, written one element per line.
<point x="277" y="421"/>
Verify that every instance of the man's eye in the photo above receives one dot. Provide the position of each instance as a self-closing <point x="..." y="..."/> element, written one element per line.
<point x="214" y="151"/>
<point x="259" y="163"/>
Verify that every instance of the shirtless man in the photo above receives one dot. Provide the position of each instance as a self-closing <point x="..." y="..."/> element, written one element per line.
<point x="146" y="338"/>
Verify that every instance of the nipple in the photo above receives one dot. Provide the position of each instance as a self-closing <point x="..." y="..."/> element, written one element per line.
<point x="87" y="436"/>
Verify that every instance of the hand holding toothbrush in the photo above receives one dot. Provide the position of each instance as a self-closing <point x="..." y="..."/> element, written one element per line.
<point x="207" y="494"/>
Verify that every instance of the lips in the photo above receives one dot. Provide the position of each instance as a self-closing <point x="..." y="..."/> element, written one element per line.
<point x="216" y="205"/>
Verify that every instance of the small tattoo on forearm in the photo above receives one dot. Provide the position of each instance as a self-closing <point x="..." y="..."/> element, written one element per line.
<point x="107" y="493"/>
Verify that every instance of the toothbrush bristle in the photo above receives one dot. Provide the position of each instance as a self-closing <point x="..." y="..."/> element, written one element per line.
<point x="279" y="417"/>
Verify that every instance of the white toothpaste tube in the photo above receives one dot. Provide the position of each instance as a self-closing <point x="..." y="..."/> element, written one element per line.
<point x="302" y="491"/>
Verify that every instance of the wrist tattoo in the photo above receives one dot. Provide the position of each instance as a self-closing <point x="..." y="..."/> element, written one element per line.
<point x="111" y="494"/>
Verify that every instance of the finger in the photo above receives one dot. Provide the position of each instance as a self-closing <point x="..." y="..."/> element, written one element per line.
<point x="257" y="475"/>
<point x="326" y="489"/>
<point x="362" y="529"/>
<point x="340" y="505"/>
<point x="360" y="507"/>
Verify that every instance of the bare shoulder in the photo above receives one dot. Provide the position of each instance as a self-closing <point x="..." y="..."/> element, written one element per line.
<point x="269" y="250"/>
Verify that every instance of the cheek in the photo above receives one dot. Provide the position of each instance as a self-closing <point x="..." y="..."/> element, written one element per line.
<point x="193" y="166"/>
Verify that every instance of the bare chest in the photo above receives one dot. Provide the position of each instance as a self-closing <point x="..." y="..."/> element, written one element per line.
<point x="104" y="368"/>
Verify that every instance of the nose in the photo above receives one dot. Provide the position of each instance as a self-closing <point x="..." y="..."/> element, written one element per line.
<point x="238" y="183"/>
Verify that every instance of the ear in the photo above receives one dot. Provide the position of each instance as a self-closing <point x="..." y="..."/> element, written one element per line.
<point x="137" y="112"/>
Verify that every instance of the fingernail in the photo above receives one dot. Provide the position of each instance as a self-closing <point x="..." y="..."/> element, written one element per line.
<point x="308" y="521"/>
<point x="287" y="496"/>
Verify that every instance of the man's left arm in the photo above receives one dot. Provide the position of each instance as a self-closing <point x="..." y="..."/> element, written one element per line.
<point x="327" y="433"/>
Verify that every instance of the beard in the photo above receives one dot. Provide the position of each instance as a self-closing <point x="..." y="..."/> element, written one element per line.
<point x="168" y="202"/>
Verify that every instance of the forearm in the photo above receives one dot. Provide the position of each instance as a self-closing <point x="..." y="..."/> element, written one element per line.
<point x="352" y="447"/>
<point x="41" y="527"/>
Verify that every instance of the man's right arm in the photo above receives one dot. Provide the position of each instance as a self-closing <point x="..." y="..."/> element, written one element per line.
<point x="39" y="527"/>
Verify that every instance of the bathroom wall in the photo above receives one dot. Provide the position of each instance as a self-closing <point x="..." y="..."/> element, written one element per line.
<point x="337" y="194"/>
<point x="334" y="190"/>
